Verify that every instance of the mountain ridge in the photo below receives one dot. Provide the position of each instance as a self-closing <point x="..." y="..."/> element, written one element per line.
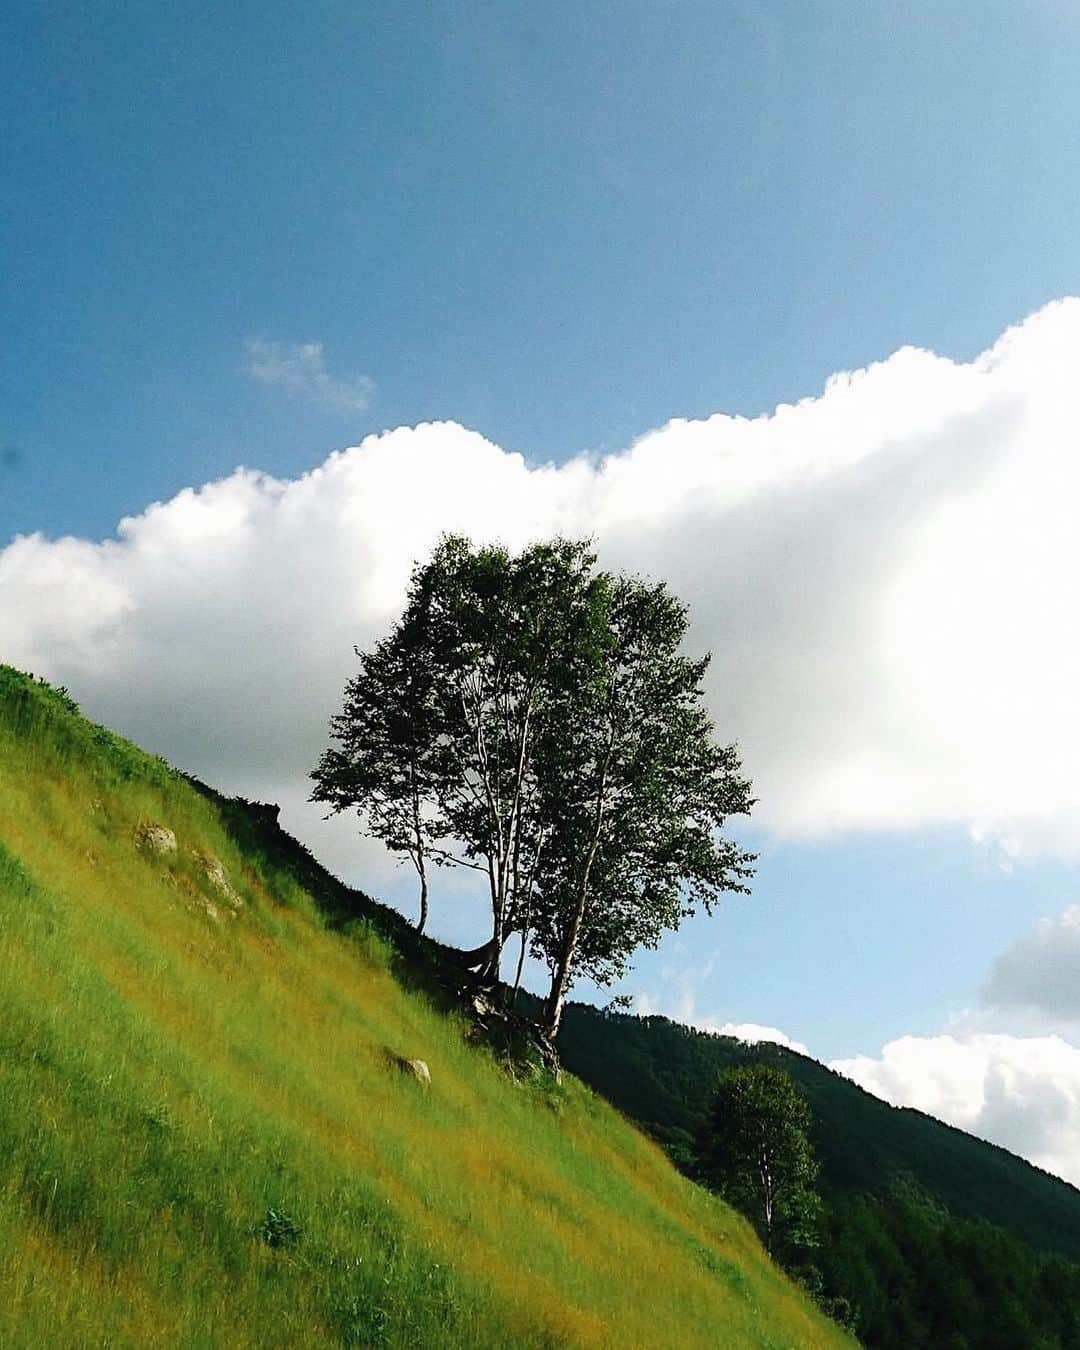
<point x="861" y="1140"/>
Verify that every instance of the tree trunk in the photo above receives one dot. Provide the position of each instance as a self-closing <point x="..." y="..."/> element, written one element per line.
<point x="418" y="836"/>
<point x="479" y="958"/>
<point x="765" y="1172"/>
<point x="520" y="967"/>
<point x="489" y="972"/>
<point x="422" y="920"/>
<point x="561" y="979"/>
<point x="554" y="1006"/>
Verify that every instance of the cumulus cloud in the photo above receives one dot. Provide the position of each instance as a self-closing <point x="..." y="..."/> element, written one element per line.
<point x="1007" y="1069"/>
<point x="300" y="370"/>
<point x="885" y="574"/>
<point x="1040" y="974"/>
<point x="754" y="1034"/>
<point x="1022" y="1092"/>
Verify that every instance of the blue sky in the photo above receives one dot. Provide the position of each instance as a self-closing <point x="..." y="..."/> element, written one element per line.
<point x="560" y="224"/>
<point x="256" y="234"/>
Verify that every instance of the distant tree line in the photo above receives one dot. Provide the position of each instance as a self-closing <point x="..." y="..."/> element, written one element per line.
<point x="534" y="719"/>
<point x="863" y="1231"/>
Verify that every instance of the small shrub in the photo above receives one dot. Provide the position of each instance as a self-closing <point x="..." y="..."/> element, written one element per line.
<point x="279" y="1229"/>
<point x="158" y="1118"/>
<point x="62" y="697"/>
<point x="550" y="1091"/>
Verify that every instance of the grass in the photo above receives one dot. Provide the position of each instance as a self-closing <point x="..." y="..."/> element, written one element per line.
<point x="204" y="1140"/>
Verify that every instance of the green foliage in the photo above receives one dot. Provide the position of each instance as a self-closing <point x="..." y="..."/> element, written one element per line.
<point x="279" y="1229"/>
<point x="535" y="719"/>
<point x="915" y="1276"/>
<point x="662" y="1074"/>
<point x="633" y="795"/>
<point x="386" y="764"/>
<point x="756" y="1150"/>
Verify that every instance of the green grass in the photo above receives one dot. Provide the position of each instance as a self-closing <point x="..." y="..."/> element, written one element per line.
<point x="204" y="1141"/>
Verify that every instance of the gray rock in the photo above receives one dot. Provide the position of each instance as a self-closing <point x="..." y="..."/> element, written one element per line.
<point x="215" y="874"/>
<point x="415" y="1068"/>
<point x="154" y="838"/>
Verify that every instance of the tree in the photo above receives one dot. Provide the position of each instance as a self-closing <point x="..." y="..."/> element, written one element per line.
<point x="756" y="1150"/>
<point x="634" y="795"/>
<point x="533" y="718"/>
<point x="437" y="732"/>
<point x="507" y="637"/>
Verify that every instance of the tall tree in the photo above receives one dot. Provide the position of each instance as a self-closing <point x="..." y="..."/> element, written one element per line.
<point x="756" y="1149"/>
<point x="437" y="733"/>
<point x="534" y="718"/>
<point x="504" y="635"/>
<point x="635" y="793"/>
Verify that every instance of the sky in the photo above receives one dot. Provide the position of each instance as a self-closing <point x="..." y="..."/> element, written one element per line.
<point x="772" y="300"/>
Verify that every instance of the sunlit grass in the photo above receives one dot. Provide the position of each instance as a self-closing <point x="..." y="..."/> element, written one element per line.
<point x="203" y="1140"/>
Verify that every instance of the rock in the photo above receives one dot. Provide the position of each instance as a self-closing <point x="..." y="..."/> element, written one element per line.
<point x="154" y="838"/>
<point x="415" y="1068"/>
<point x="215" y="874"/>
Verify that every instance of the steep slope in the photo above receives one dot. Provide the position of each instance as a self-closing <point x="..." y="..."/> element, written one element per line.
<point x="661" y="1074"/>
<point x="206" y="1137"/>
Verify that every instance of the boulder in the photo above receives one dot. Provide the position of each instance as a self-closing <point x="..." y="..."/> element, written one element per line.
<point x="215" y="874"/>
<point x="154" y="838"/>
<point x="415" y="1068"/>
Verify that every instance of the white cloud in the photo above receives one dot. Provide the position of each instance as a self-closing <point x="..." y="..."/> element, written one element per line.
<point x="1022" y="1092"/>
<point x="1008" y="1069"/>
<point x="1040" y="974"/>
<point x="885" y="574"/>
<point x="300" y="370"/>
<point x="754" y="1034"/>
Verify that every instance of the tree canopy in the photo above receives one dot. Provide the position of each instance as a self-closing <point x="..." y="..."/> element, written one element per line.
<point x="757" y="1151"/>
<point x="535" y="718"/>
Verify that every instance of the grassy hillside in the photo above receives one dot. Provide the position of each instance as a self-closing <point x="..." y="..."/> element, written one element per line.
<point x="205" y="1140"/>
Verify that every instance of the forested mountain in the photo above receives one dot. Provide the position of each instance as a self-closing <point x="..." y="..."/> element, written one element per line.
<point x="930" y="1236"/>
<point x="661" y="1074"/>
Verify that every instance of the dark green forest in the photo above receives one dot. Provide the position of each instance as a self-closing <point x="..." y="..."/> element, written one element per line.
<point x="929" y="1237"/>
